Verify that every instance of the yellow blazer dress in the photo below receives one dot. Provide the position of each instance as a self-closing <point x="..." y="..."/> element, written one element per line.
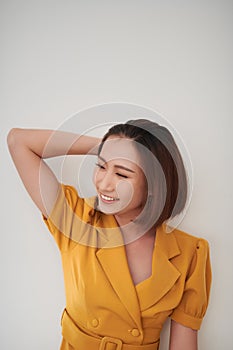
<point x="104" y="309"/>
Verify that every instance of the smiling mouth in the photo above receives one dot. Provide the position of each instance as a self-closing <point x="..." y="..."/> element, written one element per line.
<point x="108" y="199"/>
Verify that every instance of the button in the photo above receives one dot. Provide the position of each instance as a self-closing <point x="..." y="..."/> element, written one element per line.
<point x="135" y="332"/>
<point x="95" y="322"/>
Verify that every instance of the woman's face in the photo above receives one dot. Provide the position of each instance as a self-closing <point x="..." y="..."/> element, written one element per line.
<point x="119" y="179"/>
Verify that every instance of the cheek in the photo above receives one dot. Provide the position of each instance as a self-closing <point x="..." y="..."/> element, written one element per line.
<point x="125" y="191"/>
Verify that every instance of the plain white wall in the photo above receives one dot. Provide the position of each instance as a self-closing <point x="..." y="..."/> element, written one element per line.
<point x="60" y="57"/>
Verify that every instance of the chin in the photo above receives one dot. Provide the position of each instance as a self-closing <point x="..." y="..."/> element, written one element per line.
<point x="107" y="210"/>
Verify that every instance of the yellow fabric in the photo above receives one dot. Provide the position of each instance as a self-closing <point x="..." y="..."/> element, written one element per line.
<point x="100" y="295"/>
<point x="75" y="335"/>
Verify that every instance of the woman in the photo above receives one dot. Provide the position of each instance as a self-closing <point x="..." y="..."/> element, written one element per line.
<point x="124" y="274"/>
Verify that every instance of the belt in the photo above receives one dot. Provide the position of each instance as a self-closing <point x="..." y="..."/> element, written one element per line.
<point x="82" y="341"/>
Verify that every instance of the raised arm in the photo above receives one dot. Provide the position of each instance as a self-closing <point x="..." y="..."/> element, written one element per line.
<point x="28" y="148"/>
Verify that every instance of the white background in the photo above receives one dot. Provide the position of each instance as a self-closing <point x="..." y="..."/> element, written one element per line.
<point x="60" y="57"/>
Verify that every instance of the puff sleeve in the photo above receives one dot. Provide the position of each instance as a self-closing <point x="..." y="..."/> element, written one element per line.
<point x="69" y="215"/>
<point x="194" y="302"/>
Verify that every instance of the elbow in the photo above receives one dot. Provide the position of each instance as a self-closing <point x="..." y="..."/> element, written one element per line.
<point x="13" y="137"/>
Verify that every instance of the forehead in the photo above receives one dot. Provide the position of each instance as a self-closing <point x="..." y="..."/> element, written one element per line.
<point x="120" y="148"/>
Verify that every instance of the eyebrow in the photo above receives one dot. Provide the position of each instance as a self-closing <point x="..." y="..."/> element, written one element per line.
<point x="117" y="166"/>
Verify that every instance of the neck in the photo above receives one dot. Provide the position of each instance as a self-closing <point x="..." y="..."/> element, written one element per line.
<point x="132" y="231"/>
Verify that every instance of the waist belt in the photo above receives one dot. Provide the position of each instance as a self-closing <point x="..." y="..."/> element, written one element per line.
<point x="82" y="341"/>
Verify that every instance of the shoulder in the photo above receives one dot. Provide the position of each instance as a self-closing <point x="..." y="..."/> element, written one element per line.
<point x="73" y="198"/>
<point x="189" y="243"/>
<point x="189" y="239"/>
<point x="180" y="247"/>
<point x="174" y="241"/>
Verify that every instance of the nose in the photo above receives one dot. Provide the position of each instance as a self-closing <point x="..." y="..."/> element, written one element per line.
<point x="106" y="183"/>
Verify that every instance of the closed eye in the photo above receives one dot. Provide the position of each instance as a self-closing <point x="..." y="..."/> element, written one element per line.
<point x="121" y="175"/>
<point x="118" y="174"/>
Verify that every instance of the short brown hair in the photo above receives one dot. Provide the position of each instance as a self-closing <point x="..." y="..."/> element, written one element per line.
<point x="171" y="193"/>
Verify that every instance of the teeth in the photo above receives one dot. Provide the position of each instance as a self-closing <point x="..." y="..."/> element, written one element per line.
<point x="107" y="198"/>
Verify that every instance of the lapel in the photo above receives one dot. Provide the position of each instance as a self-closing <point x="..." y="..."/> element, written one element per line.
<point x="113" y="260"/>
<point x="115" y="266"/>
<point x="164" y="273"/>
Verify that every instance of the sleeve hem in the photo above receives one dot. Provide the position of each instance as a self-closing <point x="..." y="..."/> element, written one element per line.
<point x="186" y="320"/>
